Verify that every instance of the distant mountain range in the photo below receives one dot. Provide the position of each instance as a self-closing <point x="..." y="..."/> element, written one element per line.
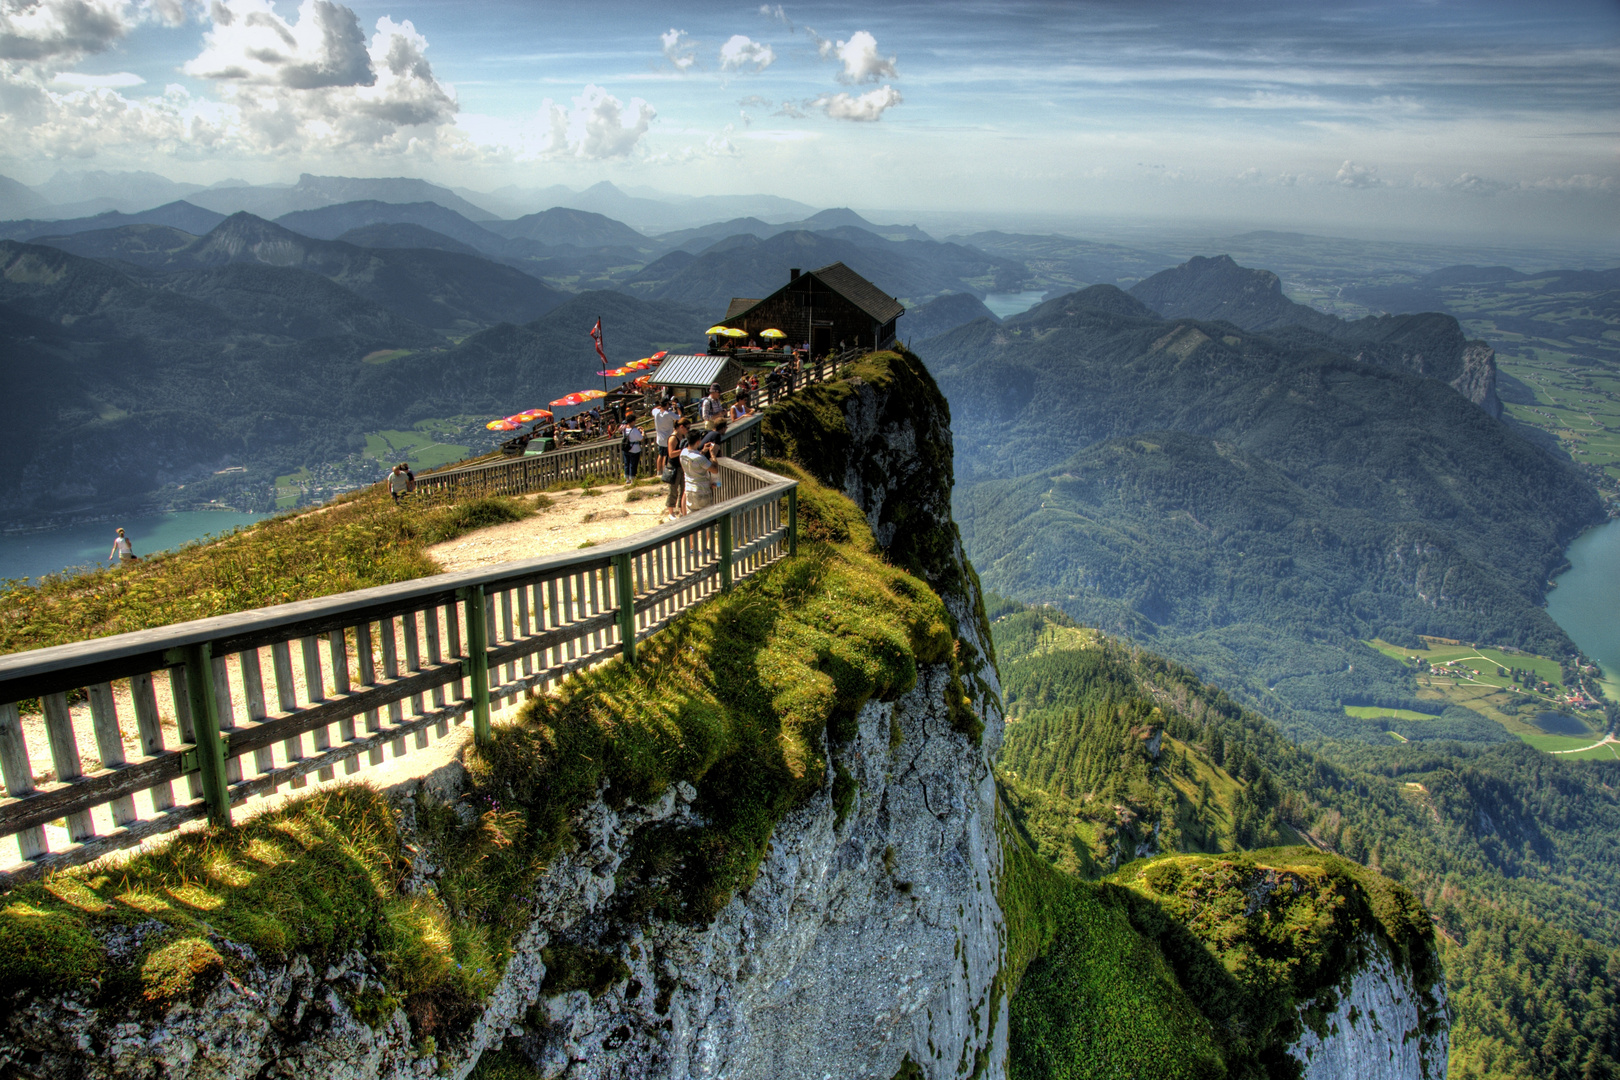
<point x="444" y="289"/>
<point x="1430" y="344"/>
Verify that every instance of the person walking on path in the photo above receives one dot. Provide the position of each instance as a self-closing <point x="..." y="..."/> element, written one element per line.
<point x="122" y="549"/>
<point x="400" y="481"/>
<point x="630" y="440"/>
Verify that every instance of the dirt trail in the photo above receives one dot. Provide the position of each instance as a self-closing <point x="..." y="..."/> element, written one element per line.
<point x="559" y="528"/>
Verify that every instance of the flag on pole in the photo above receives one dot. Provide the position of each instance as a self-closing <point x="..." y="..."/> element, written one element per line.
<point x="596" y="338"/>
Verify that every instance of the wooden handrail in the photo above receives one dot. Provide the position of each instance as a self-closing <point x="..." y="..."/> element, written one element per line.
<point x="466" y="640"/>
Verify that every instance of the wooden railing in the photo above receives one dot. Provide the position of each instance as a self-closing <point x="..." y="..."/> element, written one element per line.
<point x="146" y="731"/>
<point x="517" y="476"/>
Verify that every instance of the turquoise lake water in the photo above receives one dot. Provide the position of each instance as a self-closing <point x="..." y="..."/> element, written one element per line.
<point x="1006" y="305"/>
<point x="34" y="554"/>
<point x="1586" y="602"/>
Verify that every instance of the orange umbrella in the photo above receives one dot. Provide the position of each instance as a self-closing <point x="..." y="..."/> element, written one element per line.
<point x="615" y="372"/>
<point x="529" y="416"/>
<point x="659" y="355"/>
<point x="502" y="425"/>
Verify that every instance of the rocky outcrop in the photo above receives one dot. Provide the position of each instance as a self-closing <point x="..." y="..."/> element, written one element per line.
<point x="1477" y="380"/>
<point x="1386" y="1027"/>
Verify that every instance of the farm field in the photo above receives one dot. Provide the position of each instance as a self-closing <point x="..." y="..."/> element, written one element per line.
<point x="1372" y="712"/>
<point x="427" y="445"/>
<point x="1455" y="673"/>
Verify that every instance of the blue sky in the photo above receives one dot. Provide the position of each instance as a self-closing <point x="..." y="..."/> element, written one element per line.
<point x="1468" y="117"/>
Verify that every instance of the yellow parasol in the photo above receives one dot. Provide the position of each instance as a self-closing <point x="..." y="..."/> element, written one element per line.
<point x="772" y="334"/>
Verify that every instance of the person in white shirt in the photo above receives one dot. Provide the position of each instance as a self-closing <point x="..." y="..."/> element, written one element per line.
<point x="702" y="474"/>
<point x="664" y="415"/>
<point x="122" y="549"/>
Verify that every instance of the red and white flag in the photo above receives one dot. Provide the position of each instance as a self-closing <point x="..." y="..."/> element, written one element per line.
<point x="596" y="338"/>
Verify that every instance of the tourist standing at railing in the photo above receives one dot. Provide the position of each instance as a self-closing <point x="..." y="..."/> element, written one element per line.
<point x="702" y="475"/>
<point x="711" y="408"/>
<point x="674" y="502"/>
<point x="630" y="439"/>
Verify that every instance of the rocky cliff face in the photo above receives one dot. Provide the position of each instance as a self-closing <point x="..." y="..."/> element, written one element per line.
<point x="871" y="935"/>
<point x="1385" y="1027"/>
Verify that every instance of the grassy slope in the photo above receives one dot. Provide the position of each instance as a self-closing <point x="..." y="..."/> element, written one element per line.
<point x="732" y="698"/>
<point x="1508" y="848"/>
<point x="354" y="543"/>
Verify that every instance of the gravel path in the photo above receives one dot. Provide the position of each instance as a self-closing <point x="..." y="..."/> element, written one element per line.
<point x="559" y="528"/>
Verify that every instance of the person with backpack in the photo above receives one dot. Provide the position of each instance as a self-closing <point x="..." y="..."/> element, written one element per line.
<point x="630" y="440"/>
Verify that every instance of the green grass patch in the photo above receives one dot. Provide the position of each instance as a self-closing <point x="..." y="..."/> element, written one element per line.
<point x="1374" y="712"/>
<point x="1255" y="938"/>
<point x="1566" y="743"/>
<point x="1090" y="996"/>
<point x="382" y="356"/>
<point x="420" y="446"/>
<point x="352" y="543"/>
<point x="319" y="878"/>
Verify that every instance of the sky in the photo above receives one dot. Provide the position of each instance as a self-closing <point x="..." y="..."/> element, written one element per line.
<point x="1378" y="117"/>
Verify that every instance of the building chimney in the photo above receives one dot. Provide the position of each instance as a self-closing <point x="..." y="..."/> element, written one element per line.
<point x="793" y="274"/>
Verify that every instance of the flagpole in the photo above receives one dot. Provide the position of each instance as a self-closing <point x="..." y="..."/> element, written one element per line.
<point x="601" y="347"/>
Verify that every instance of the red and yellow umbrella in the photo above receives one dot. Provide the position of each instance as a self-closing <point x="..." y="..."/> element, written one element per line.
<point x="614" y="373"/>
<point x="579" y="398"/>
<point x="658" y="356"/>
<point x="502" y="425"/>
<point x="529" y="416"/>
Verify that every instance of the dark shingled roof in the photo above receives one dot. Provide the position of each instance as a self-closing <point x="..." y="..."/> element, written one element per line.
<point x="740" y="304"/>
<point x="858" y="291"/>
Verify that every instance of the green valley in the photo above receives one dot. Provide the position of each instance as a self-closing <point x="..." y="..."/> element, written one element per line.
<point x="1115" y="758"/>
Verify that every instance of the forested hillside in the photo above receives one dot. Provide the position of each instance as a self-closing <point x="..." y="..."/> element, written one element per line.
<point x="122" y="381"/>
<point x="1251" y="505"/>
<point x="1112" y="752"/>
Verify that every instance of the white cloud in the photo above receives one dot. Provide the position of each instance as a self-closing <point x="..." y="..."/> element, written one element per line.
<point x="249" y="43"/>
<point x="34" y="31"/>
<point x="1476" y="185"/>
<point x="1580" y="182"/>
<point x="1356" y="176"/>
<point x="862" y="61"/>
<point x="597" y="127"/>
<point x="111" y="82"/>
<point x="778" y="14"/>
<point x="869" y="106"/>
<point x="678" y="49"/>
<point x="282" y="89"/>
<point x="741" y="51"/>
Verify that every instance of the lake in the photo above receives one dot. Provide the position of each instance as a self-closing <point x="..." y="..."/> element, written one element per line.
<point x="34" y="554"/>
<point x="1586" y="602"/>
<point x="1007" y="304"/>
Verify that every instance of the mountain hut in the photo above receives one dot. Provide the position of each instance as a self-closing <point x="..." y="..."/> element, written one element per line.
<point x="823" y="307"/>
